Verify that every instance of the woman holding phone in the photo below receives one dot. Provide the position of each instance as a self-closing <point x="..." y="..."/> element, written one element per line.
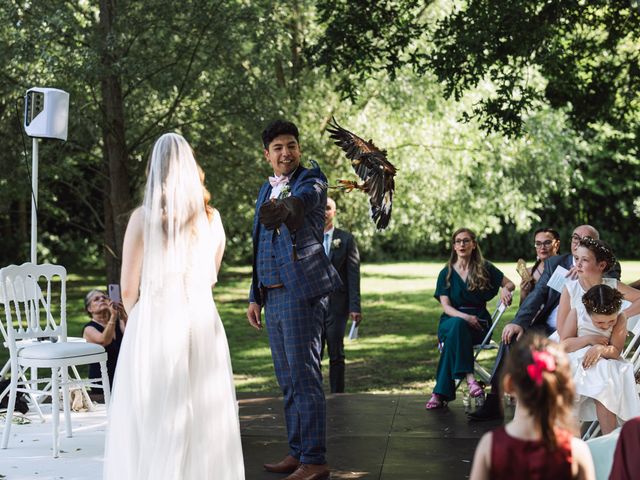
<point x="106" y="328"/>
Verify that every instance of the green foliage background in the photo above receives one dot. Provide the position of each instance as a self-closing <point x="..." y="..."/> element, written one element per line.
<point x="498" y="125"/>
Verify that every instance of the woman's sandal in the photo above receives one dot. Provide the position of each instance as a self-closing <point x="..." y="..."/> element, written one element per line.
<point x="475" y="389"/>
<point x="435" y="402"/>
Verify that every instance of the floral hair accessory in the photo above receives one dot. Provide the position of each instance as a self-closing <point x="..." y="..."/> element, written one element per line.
<point x="592" y="243"/>
<point x="542" y="362"/>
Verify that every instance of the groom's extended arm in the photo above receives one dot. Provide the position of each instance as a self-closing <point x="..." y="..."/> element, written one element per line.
<point x="309" y="191"/>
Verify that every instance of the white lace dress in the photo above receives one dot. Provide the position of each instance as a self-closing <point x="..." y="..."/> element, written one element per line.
<point x="611" y="382"/>
<point x="174" y="413"/>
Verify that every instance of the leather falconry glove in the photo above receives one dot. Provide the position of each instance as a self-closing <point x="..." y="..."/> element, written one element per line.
<point x="275" y="212"/>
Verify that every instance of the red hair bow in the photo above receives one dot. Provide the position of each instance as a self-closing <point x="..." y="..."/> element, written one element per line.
<point x="542" y="361"/>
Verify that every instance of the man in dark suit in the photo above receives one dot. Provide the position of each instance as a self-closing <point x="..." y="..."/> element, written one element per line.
<point x="537" y="313"/>
<point x="344" y="304"/>
<point x="291" y="279"/>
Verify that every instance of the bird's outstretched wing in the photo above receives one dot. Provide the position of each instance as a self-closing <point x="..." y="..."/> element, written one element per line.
<point x="371" y="165"/>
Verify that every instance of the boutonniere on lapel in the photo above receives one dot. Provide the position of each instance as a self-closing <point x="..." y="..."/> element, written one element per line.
<point x="336" y="243"/>
<point x="285" y="192"/>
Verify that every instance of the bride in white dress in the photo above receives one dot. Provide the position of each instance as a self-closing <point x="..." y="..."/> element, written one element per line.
<point x="173" y="414"/>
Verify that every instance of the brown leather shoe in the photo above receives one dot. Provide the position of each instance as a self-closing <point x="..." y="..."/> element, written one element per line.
<point x="287" y="465"/>
<point x="309" y="471"/>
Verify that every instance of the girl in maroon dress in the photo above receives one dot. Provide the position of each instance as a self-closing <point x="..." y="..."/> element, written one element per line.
<point x="538" y="443"/>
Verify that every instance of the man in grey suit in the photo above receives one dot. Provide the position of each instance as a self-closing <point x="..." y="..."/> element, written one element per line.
<point x="537" y="313"/>
<point x="344" y="303"/>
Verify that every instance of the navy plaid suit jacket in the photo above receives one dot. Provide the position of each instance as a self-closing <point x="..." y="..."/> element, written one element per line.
<point x="312" y="274"/>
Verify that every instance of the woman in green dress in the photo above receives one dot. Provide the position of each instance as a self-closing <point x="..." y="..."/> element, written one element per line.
<point x="464" y="287"/>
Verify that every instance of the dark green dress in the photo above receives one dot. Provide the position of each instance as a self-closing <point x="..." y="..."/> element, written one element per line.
<point x="455" y="334"/>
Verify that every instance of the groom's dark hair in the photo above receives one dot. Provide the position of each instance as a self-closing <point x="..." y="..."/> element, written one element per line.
<point x="277" y="128"/>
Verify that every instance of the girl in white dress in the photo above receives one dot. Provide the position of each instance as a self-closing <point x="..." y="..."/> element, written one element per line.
<point x="593" y="332"/>
<point x="173" y="413"/>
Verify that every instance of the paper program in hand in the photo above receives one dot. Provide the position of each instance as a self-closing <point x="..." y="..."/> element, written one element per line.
<point x="353" y="333"/>
<point x="558" y="278"/>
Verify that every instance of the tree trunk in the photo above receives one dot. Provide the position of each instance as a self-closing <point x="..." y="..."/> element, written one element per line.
<point x="297" y="36"/>
<point x="22" y="221"/>
<point x="117" y="194"/>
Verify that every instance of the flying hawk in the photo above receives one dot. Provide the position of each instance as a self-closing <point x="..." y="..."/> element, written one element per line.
<point x="373" y="168"/>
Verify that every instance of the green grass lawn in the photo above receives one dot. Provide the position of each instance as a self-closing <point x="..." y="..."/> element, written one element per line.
<point x="396" y="351"/>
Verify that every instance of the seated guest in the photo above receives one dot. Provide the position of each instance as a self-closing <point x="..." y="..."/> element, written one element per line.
<point x="538" y="442"/>
<point x="546" y="241"/>
<point x="594" y="335"/>
<point x="593" y="330"/>
<point x="591" y="257"/>
<point x="538" y="312"/>
<point x="464" y="287"/>
<point x="106" y="328"/>
<point x="626" y="460"/>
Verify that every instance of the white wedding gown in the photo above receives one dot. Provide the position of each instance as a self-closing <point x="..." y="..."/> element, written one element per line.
<point x="174" y="413"/>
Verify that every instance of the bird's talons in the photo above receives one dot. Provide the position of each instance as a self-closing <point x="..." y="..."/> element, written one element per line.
<point x="348" y="185"/>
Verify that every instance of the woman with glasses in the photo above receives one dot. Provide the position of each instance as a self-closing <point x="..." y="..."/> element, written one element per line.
<point x="464" y="287"/>
<point x="106" y="328"/>
<point x="546" y="241"/>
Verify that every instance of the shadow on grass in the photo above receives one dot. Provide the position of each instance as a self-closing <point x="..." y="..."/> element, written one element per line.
<point x="396" y="352"/>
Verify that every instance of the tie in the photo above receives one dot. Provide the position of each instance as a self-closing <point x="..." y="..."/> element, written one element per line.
<point x="326" y="244"/>
<point x="281" y="180"/>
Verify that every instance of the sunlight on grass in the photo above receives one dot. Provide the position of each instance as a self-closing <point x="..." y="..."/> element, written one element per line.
<point x="260" y="352"/>
<point x="397" y="349"/>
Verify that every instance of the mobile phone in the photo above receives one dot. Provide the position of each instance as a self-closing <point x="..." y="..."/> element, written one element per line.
<point x="114" y="292"/>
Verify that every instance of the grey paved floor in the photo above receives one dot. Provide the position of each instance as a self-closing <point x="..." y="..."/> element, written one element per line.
<point x="369" y="437"/>
<point x="385" y="437"/>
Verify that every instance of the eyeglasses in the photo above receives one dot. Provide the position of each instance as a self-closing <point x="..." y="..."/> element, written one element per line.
<point x="98" y="298"/>
<point x="546" y="243"/>
<point x="462" y="241"/>
<point x="575" y="238"/>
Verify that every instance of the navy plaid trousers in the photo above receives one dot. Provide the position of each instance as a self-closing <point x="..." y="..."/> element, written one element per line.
<point x="295" y="328"/>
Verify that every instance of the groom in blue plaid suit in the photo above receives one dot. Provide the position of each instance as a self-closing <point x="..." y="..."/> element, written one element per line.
<point x="292" y="277"/>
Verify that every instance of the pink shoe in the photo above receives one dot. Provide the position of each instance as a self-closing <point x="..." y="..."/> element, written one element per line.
<point x="475" y="389"/>
<point x="435" y="402"/>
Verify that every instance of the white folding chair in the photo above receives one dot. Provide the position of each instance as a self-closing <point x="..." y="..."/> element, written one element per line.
<point x="31" y="316"/>
<point x="602" y="451"/>
<point x="632" y="353"/>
